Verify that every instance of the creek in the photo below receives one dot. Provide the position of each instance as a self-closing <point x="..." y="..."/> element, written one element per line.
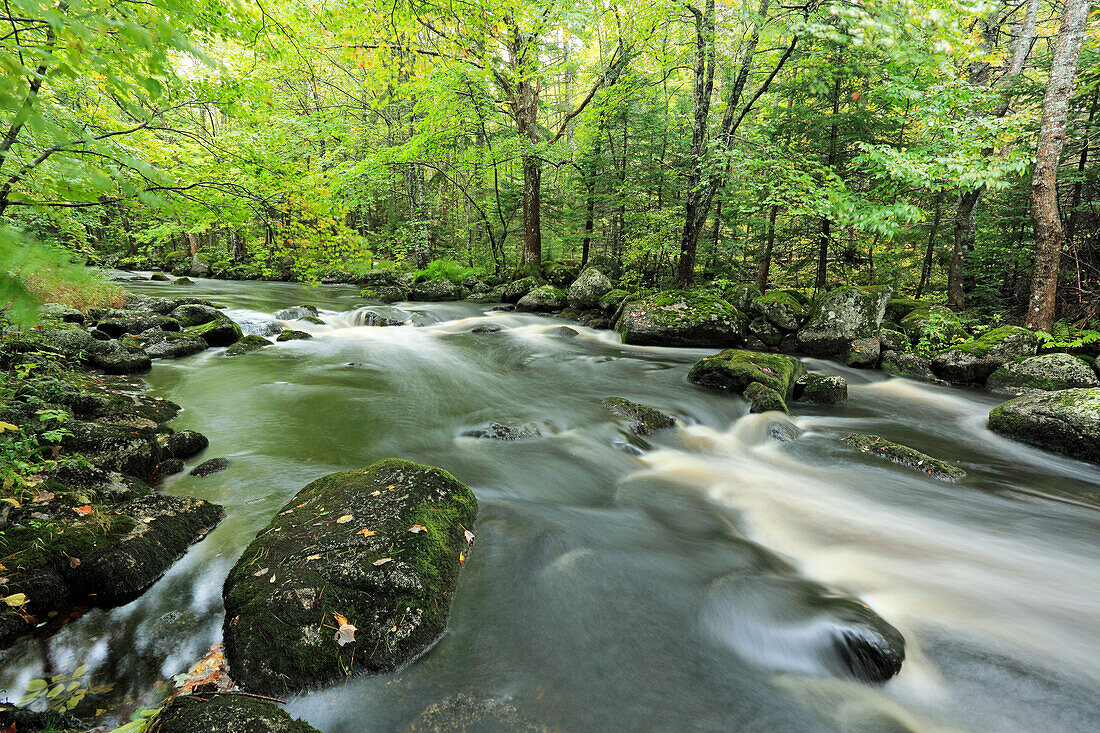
<point x="618" y="583"/>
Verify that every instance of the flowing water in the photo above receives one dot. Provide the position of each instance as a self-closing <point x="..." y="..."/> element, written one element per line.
<point x="621" y="584"/>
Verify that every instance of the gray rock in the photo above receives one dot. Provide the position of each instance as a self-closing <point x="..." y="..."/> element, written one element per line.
<point x="907" y="364"/>
<point x="1043" y="373"/>
<point x="765" y="331"/>
<point x="194" y="314"/>
<point x="586" y="290"/>
<point x="1066" y="421"/>
<point x="208" y="468"/>
<point x="435" y="291"/>
<point x="543" y="299"/>
<point x="764" y="399"/>
<point x="184" y="444"/>
<point x="497" y="431"/>
<point x="824" y="389"/>
<point x="298" y="311"/>
<point x="904" y="455"/>
<point x="975" y="360"/>
<point x="863" y="353"/>
<point x="841" y="316"/>
<point x="781" y="309"/>
<point x="642" y="419"/>
<point x="682" y="318"/>
<point x="892" y="340"/>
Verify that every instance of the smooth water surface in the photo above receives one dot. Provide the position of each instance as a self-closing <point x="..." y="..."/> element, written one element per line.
<point x="622" y="584"/>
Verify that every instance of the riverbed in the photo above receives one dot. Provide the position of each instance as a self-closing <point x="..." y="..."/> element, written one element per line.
<point x="622" y="583"/>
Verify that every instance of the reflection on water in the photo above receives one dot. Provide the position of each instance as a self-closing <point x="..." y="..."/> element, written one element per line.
<point x="683" y="588"/>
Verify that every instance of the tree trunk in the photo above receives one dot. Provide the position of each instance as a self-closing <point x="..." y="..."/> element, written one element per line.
<point x="823" y="239"/>
<point x="926" y="266"/>
<point x="966" y="219"/>
<point x="765" y="266"/>
<point x="1049" y="236"/>
<point x="532" y="224"/>
<point x="1082" y="162"/>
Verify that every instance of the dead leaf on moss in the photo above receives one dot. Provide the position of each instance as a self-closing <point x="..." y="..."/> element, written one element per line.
<point x="383" y="561"/>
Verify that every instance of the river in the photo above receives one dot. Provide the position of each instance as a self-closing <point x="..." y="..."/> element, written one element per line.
<point x="622" y="584"/>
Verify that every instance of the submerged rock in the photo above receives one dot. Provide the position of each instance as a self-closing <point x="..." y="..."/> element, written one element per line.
<point x="247" y="344"/>
<point x="682" y="318"/>
<point x="1067" y="421"/>
<point x="563" y="332"/>
<point x="586" y="290"/>
<point x="642" y="419"/>
<point x="841" y="316"/>
<point x="496" y="431"/>
<point x="543" y="299"/>
<point x="380" y="316"/>
<point x="355" y="574"/>
<point x="291" y="335"/>
<point x="227" y="714"/>
<point x="298" y="311"/>
<point x="905" y="456"/>
<point x="208" y="468"/>
<point x="487" y="328"/>
<point x="824" y="389"/>
<point x="736" y="369"/>
<point x="1043" y="373"/>
<point x="976" y="360"/>
<point x="765" y="399"/>
<point x="469" y="714"/>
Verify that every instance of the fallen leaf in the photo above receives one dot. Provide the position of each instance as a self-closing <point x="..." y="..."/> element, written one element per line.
<point x="272" y="578"/>
<point x="376" y="493"/>
<point x="260" y="573"/>
<point x="6" y="426"/>
<point x="461" y="558"/>
<point x="314" y="557"/>
<point x="2" y="568"/>
<point x="344" y="519"/>
<point x="417" y="528"/>
<point x="44" y="496"/>
<point x="82" y="510"/>
<point x="469" y="538"/>
<point x="74" y="562"/>
<point x="367" y="532"/>
<point x="341" y="619"/>
<point x="383" y="561"/>
<point x="345" y="634"/>
<point x="19" y="599"/>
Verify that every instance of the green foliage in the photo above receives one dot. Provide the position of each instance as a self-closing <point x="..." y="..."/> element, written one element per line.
<point x="448" y="270"/>
<point x="941" y="333"/>
<point x="63" y="692"/>
<point x="1064" y="336"/>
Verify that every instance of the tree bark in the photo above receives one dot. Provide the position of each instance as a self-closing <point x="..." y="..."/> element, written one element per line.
<point x="826" y="226"/>
<point x="926" y="266"/>
<point x="965" y="224"/>
<point x="1082" y="162"/>
<point x="765" y="266"/>
<point x="1049" y="236"/>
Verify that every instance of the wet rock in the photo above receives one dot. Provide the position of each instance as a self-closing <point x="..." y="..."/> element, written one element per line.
<point x="199" y="267"/>
<point x="113" y="357"/>
<point x="163" y="345"/>
<point x="841" y="316"/>
<point x="246" y="345"/>
<point x="768" y="335"/>
<point x="1043" y="373"/>
<point x="298" y="311"/>
<point x="764" y="399"/>
<point x="194" y="314"/>
<point x="393" y="585"/>
<point x="120" y="322"/>
<point x="496" y="431"/>
<point x="160" y="277"/>
<point x="564" y="332"/>
<point x="741" y="296"/>
<point x="488" y="328"/>
<point x="312" y="319"/>
<point x="586" y="290"/>
<point x="469" y="714"/>
<point x="560" y="274"/>
<point x="976" y="360"/>
<point x="736" y="369"/>
<point x="221" y="331"/>
<point x="227" y="714"/>
<point x="609" y="302"/>
<point x="385" y="293"/>
<point x="1067" y="421"/>
<point x="184" y="444"/>
<point x="292" y="335"/>
<point x="171" y="466"/>
<point x="891" y="340"/>
<point x="907" y="364"/>
<point x="62" y="313"/>
<point x="863" y="353"/>
<point x="21" y="720"/>
<point x="515" y="290"/>
<point x="122" y="448"/>
<point x="824" y="389"/>
<point x="933" y="321"/>
<point x="209" y="468"/>
<point x="163" y="306"/>
<point x="682" y="318"/>
<point x="543" y="299"/>
<point x="502" y="308"/>
<point x="381" y="316"/>
<point x="435" y="291"/>
<point x="642" y="419"/>
<point x="905" y="456"/>
<point x="183" y="281"/>
<point x="260" y="327"/>
<point x="781" y="309"/>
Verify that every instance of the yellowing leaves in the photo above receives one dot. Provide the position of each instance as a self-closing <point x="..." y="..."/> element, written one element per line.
<point x="344" y="519"/>
<point x="382" y="561"/>
<point x="6" y="426"/>
<point x="15" y="600"/>
<point x="83" y="510"/>
<point x="367" y="532"/>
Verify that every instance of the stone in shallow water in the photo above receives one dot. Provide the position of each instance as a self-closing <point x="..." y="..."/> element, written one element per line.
<point x="208" y="468"/>
<point x="291" y="335"/>
<point x="378" y="549"/>
<point x="904" y="455"/>
<point x="246" y="345"/>
<point x="736" y="369"/>
<point x="468" y="713"/>
<point x="497" y="431"/>
<point x="1043" y="373"/>
<point x="1067" y="421"/>
<point x="975" y="360"/>
<point x="489" y="328"/>
<point x="227" y="714"/>
<point x="764" y="399"/>
<point x="185" y="443"/>
<point x="824" y="389"/>
<point x="642" y="419"/>
<point x="298" y="311"/>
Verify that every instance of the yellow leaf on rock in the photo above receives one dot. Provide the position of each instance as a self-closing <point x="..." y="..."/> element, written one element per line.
<point x="344" y="519"/>
<point x="367" y="532"/>
<point x="383" y="561"/>
<point x="16" y="599"/>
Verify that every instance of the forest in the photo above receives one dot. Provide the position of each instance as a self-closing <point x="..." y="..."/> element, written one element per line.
<point x="938" y="147"/>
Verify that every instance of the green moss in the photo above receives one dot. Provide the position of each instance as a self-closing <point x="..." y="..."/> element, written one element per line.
<point x="613" y="298"/>
<point x="990" y="339"/>
<point x="45" y="543"/>
<point x="765" y="399"/>
<point x="736" y="369"/>
<point x="881" y="448"/>
<point x="643" y="419"/>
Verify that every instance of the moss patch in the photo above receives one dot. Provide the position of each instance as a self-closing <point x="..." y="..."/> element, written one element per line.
<point x="904" y="456"/>
<point x="736" y="369"/>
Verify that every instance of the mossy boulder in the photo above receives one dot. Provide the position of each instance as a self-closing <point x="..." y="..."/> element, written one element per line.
<point x="824" y="389"/>
<point x="977" y="359"/>
<point x="560" y="274"/>
<point x="1043" y="373"/>
<point x="436" y="291"/>
<point x="586" y="290"/>
<point x="736" y="369"/>
<point x="641" y="419"/>
<point x="63" y="313"/>
<point x="210" y="467"/>
<point x="226" y="714"/>
<point x="378" y="549"/>
<point x="907" y="364"/>
<point x="899" y="308"/>
<point x="781" y="309"/>
<point x="863" y="353"/>
<point x="933" y="321"/>
<point x="115" y="357"/>
<point x="905" y="456"/>
<point x="741" y="295"/>
<point x="183" y="444"/>
<point x="544" y="299"/>
<point x="891" y="340"/>
<point x="385" y="293"/>
<point x="183" y="281"/>
<point x="168" y="345"/>
<point x="194" y="314"/>
<point x="1067" y="421"/>
<point x="513" y="291"/>
<point x="764" y="399"/>
<point x="247" y="344"/>
<point x="222" y="331"/>
<point x="160" y="277"/>
<point x="764" y="330"/>
<point x="291" y="335"/>
<point x="682" y="318"/>
<point x="841" y="316"/>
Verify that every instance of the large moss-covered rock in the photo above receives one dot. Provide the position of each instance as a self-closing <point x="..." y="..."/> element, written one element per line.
<point x="544" y="299"/>
<point x="247" y="344"/>
<point x="642" y="419"/>
<point x="222" y="331"/>
<point x="168" y="345"/>
<point x="435" y="291"/>
<point x="741" y="295"/>
<point x="781" y="309"/>
<point x="194" y="314"/>
<point x="1067" y="421"/>
<point x="227" y="714"/>
<point x="610" y="301"/>
<point x="905" y="456"/>
<point x="291" y="335"/>
<point x="1043" y="373"/>
<point x="115" y="357"/>
<point x="378" y="549"/>
<point x="824" y="389"/>
<point x="899" y="308"/>
<point x="513" y="291"/>
<point x="117" y="323"/>
<point x="933" y="321"/>
<point x="736" y="369"/>
<point x="766" y="331"/>
<point x="890" y="340"/>
<point x="907" y="364"/>
<point x="385" y="293"/>
<point x="765" y="399"/>
<point x="841" y="316"/>
<point x="682" y="318"/>
<point x="978" y="358"/>
<point x="586" y="290"/>
<point x="863" y="353"/>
